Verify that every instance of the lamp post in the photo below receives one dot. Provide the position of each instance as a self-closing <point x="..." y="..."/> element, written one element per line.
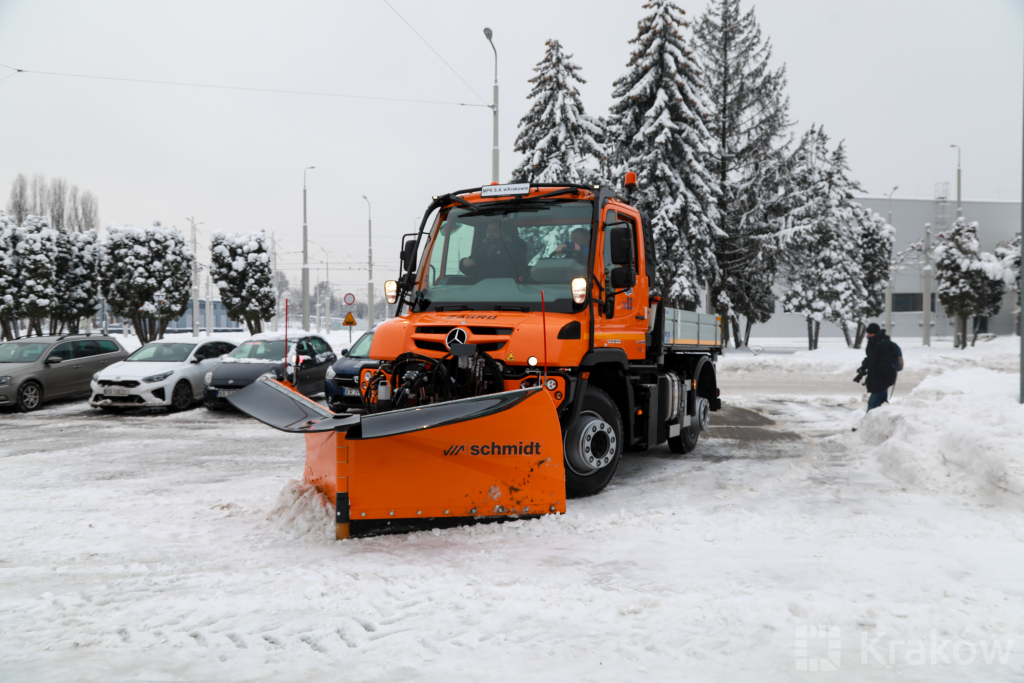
<point x="494" y="153"/>
<point x="926" y="287"/>
<point x="195" y="280"/>
<point x="888" y="284"/>
<point x="305" y="256"/>
<point x="959" y="209"/>
<point x="369" y="284"/>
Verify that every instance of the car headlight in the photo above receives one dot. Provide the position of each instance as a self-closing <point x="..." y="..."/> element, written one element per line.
<point x="330" y="372"/>
<point x="208" y="378"/>
<point x="158" y="378"/>
<point x="5" y="380"/>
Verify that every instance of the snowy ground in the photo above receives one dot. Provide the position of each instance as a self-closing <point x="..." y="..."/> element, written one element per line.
<point x="162" y="547"/>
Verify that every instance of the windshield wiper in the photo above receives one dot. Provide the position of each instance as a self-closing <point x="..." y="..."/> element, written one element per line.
<point x="456" y="307"/>
<point x="505" y="307"/>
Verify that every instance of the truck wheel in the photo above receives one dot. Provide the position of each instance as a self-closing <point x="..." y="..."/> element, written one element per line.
<point x="593" y="445"/>
<point x="30" y="397"/>
<point x="688" y="436"/>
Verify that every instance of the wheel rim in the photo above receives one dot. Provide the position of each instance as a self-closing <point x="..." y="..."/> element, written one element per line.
<point x="590" y="444"/>
<point x="703" y="414"/>
<point x="181" y="398"/>
<point x="30" y="396"/>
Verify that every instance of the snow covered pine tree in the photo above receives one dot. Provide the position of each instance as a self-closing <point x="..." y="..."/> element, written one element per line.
<point x="37" y="254"/>
<point x="964" y="285"/>
<point x="147" y="275"/>
<point x="748" y="122"/>
<point x="874" y="251"/>
<point x="77" y="280"/>
<point x="241" y="268"/>
<point x="10" y="296"/>
<point x="819" y="239"/>
<point x="659" y="121"/>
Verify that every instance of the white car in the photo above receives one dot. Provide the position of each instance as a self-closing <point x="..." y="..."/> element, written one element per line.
<point x="166" y="372"/>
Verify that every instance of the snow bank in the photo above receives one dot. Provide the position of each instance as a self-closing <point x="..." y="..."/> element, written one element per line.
<point x="303" y="512"/>
<point x="960" y="432"/>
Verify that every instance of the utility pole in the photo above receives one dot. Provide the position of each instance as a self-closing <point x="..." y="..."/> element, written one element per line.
<point x="195" y="280"/>
<point x="1020" y="298"/>
<point x="277" y="291"/>
<point x="494" y="152"/>
<point x="926" y="286"/>
<point x="210" y="318"/>
<point x="959" y="207"/>
<point x="888" y="284"/>
<point x="305" y="256"/>
<point x="369" y="287"/>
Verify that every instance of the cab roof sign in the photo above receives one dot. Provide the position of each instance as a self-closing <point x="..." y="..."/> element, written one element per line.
<point x="504" y="190"/>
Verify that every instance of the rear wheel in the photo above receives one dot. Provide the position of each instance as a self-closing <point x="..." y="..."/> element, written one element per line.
<point x="688" y="436"/>
<point x="181" y="397"/>
<point x="30" y="396"/>
<point x="593" y="445"/>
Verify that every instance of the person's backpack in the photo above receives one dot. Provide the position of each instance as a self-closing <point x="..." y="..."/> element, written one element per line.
<point x="897" y="356"/>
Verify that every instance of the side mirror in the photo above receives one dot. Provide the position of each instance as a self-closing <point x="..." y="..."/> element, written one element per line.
<point x="621" y="245"/>
<point x="409" y="255"/>
<point x="197" y="359"/>
<point x="53" y="359"/>
<point x="344" y="352"/>
<point x="623" y="277"/>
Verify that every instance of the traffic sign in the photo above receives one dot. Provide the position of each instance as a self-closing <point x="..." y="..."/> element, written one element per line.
<point x="349" y="320"/>
<point x="350" y="299"/>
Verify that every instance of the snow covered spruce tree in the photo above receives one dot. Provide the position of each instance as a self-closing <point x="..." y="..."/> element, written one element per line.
<point x="819" y="239"/>
<point x="77" y="280"/>
<point x="147" y="275"/>
<point x="968" y="282"/>
<point x="874" y="253"/>
<point x="1008" y="254"/>
<point x="659" y="121"/>
<point x="10" y="295"/>
<point x="38" y="256"/>
<point x="241" y="268"/>
<point x="748" y="122"/>
<point x="560" y="141"/>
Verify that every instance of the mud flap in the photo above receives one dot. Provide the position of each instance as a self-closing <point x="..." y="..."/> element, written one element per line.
<point x="487" y="458"/>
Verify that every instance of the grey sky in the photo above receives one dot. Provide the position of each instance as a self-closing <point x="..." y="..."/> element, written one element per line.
<point x="898" y="80"/>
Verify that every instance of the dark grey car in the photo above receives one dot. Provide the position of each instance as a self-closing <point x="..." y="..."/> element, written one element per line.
<point x="38" y="369"/>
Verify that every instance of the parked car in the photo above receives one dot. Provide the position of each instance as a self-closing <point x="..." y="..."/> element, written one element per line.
<point x="264" y="354"/>
<point x="38" y="369"/>
<point x="343" y="390"/>
<point x="163" y="373"/>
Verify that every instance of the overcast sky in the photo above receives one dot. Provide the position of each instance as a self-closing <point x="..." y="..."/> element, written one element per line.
<point x="898" y="80"/>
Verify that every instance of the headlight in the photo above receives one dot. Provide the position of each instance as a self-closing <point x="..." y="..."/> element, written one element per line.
<point x="208" y="378"/>
<point x="5" y="380"/>
<point x="391" y="291"/>
<point x="579" y="289"/>
<point x="158" y="378"/>
<point x="330" y="372"/>
<point x="532" y="361"/>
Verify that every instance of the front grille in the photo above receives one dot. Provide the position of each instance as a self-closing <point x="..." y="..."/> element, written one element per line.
<point x="347" y="380"/>
<point x="482" y="331"/>
<point x="431" y="346"/>
<point x="433" y="329"/>
<point x="116" y="383"/>
<point x="118" y="399"/>
<point x="490" y="346"/>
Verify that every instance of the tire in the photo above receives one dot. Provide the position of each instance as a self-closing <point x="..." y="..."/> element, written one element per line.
<point x="182" y="397"/>
<point x="30" y="397"/>
<point x="599" y="429"/>
<point x="689" y="436"/>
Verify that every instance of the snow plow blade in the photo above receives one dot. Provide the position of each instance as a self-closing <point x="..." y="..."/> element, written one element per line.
<point x="487" y="458"/>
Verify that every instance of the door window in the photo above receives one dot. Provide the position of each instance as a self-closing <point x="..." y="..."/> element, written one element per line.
<point x="107" y="346"/>
<point x="63" y="351"/>
<point x="622" y="219"/>
<point x="207" y="351"/>
<point x="320" y="346"/>
<point x="224" y="348"/>
<point x="86" y="348"/>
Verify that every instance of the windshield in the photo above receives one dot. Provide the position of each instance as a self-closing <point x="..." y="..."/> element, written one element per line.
<point x="270" y="351"/>
<point x="361" y="349"/>
<point x="505" y="256"/>
<point x="162" y="353"/>
<point x="21" y="352"/>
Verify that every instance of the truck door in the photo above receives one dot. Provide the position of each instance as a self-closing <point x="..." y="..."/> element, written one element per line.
<point x="627" y="328"/>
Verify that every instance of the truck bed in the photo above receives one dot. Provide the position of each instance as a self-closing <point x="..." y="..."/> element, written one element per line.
<point x="690" y="330"/>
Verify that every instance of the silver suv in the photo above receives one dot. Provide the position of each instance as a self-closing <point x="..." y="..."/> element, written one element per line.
<point x="37" y="369"/>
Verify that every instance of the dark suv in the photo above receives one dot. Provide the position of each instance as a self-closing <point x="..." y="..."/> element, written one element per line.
<point x="38" y="369"/>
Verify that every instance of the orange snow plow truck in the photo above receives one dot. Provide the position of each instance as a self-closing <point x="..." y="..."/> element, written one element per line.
<point x="525" y="356"/>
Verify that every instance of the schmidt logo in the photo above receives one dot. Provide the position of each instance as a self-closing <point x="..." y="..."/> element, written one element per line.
<point x="494" y="448"/>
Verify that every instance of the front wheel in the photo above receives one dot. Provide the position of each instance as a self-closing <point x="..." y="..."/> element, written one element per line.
<point x="593" y="445"/>
<point x="181" y="397"/>
<point x="30" y="397"/>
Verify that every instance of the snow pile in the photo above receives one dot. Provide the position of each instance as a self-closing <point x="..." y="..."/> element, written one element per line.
<point x="303" y="512"/>
<point x="961" y="432"/>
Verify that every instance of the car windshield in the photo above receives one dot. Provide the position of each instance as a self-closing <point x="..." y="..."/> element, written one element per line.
<point x="361" y="349"/>
<point x="21" y="352"/>
<point x="162" y="353"/>
<point x="259" y="350"/>
<point x="506" y="256"/>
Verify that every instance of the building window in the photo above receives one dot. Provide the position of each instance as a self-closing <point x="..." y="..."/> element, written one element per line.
<point x="910" y="303"/>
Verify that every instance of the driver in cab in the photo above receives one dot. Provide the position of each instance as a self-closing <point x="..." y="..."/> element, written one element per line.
<point x="579" y="248"/>
<point x="497" y="255"/>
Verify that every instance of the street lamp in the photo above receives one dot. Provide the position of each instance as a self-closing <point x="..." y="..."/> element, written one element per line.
<point x="369" y="285"/>
<point x="959" y="210"/>
<point x="195" y="279"/>
<point x="888" y="284"/>
<point x="305" y="257"/>
<point x="494" y="153"/>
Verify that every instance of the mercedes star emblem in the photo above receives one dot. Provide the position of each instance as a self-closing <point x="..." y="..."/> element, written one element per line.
<point x="456" y="336"/>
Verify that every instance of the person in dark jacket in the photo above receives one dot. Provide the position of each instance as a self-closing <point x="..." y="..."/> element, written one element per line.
<point x="879" y="365"/>
<point x="498" y="255"/>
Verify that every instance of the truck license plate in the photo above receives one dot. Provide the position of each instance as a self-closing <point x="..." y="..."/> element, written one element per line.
<point x="115" y="392"/>
<point x="352" y="392"/>
<point x="224" y="393"/>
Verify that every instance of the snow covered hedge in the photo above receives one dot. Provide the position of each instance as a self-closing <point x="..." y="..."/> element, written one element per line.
<point x="148" y="276"/>
<point x="241" y="268"/>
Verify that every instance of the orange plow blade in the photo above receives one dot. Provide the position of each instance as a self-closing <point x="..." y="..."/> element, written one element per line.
<point x="486" y="458"/>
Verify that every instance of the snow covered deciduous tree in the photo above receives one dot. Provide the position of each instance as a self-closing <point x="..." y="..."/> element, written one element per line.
<point x="17" y="206"/>
<point x="560" y="141"/>
<point x="874" y="251"/>
<point x="659" y="121"/>
<point x="147" y="275"/>
<point x="38" y="255"/>
<point x="10" y="296"/>
<point x="748" y="121"/>
<point x="969" y="282"/>
<point x="1008" y="254"/>
<point x="77" y="280"/>
<point x="241" y="269"/>
<point x="819" y="239"/>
